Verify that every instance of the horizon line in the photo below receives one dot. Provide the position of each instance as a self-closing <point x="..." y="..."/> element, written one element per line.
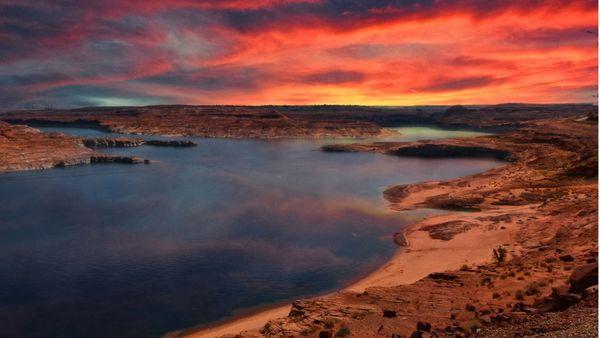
<point x="303" y="105"/>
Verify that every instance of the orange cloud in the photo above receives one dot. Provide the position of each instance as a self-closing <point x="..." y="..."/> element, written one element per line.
<point x="305" y="51"/>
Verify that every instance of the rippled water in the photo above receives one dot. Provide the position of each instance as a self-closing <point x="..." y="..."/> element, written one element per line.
<point x="136" y="251"/>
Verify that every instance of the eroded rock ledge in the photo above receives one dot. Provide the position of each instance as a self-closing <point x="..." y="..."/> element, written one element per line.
<point x="123" y="142"/>
<point x="25" y="148"/>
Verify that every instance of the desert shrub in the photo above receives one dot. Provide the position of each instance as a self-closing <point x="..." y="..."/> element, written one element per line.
<point x="499" y="254"/>
<point x="532" y="289"/>
<point x="519" y="295"/>
<point x="343" y="332"/>
<point x="266" y="328"/>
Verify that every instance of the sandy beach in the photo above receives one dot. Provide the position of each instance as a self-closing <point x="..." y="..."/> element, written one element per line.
<point x="422" y="256"/>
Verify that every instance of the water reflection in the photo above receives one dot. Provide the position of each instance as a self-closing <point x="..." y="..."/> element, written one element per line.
<point x="113" y="250"/>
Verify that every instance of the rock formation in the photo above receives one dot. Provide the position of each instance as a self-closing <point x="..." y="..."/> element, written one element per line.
<point x="123" y="142"/>
<point x="25" y="148"/>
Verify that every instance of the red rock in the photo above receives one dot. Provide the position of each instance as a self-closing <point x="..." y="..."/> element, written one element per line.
<point x="583" y="277"/>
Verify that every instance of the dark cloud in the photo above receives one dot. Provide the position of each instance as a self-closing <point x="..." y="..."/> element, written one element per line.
<point x="212" y="79"/>
<point x="371" y="51"/>
<point x="443" y="85"/>
<point x="334" y="77"/>
<point x="553" y="37"/>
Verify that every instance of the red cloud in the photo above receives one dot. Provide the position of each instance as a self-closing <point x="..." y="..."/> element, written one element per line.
<point x="305" y="51"/>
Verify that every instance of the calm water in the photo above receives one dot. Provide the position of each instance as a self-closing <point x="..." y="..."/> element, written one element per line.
<point x="136" y="251"/>
<point x="414" y="133"/>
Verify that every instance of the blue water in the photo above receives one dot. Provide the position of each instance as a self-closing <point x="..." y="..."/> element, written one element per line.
<point x="139" y="250"/>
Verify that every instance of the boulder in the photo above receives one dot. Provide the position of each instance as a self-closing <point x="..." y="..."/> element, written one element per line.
<point x="423" y="326"/>
<point x="583" y="277"/>
<point x="389" y="313"/>
<point x="566" y="258"/>
<point x="560" y="300"/>
<point x="325" y="334"/>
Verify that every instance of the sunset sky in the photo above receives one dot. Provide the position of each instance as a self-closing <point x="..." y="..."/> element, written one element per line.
<point x="138" y="52"/>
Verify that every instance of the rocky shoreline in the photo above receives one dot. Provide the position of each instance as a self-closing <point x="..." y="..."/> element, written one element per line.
<point x="123" y="142"/>
<point x="521" y="262"/>
<point x="25" y="148"/>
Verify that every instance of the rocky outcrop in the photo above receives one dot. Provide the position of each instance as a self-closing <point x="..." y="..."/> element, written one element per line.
<point x="118" y="159"/>
<point x="122" y="142"/>
<point x="25" y="148"/>
<point x="447" y="230"/>
<point x="108" y="142"/>
<point x="170" y="143"/>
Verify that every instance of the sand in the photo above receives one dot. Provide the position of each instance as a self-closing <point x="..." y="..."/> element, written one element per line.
<point x="252" y="322"/>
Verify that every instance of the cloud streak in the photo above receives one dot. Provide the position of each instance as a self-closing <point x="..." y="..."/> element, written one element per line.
<point x="297" y="52"/>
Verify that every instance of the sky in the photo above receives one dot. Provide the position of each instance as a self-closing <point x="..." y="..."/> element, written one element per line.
<point x="67" y="53"/>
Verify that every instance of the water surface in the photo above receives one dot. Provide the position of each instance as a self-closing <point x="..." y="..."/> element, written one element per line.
<point x="414" y="133"/>
<point x="136" y="251"/>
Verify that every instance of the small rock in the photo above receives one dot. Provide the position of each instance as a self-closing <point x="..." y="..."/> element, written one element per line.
<point x="423" y="326"/>
<point x="325" y="334"/>
<point x="521" y="307"/>
<point x="389" y="313"/>
<point x="500" y="318"/>
<point x="442" y="276"/>
<point x="485" y="319"/>
<point x="560" y="300"/>
<point x="417" y="334"/>
<point x="397" y="335"/>
<point x="591" y="291"/>
<point x="566" y="258"/>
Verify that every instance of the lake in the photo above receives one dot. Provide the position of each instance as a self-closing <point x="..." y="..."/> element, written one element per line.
<point x="139" y="250"/>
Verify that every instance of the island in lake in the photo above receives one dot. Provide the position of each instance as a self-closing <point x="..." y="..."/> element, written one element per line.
<point x="299" y="221"/>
